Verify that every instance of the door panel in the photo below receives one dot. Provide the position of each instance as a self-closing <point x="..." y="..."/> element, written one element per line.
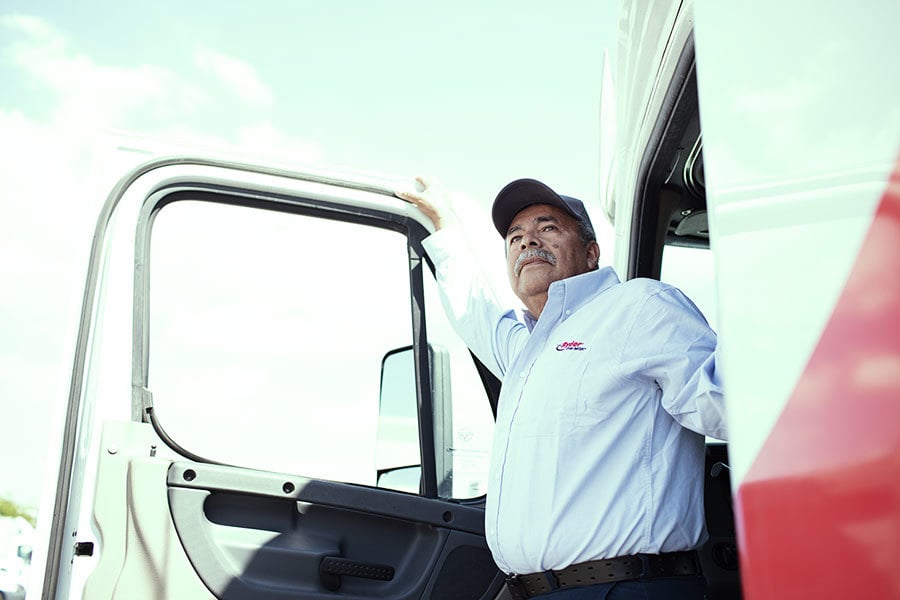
<point x="140" y="555"/>
<point x="253" y="539"/>
<point x="189" y="530"/>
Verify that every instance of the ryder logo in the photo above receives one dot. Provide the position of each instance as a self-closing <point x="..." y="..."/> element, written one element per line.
<point x="573" y="345"/>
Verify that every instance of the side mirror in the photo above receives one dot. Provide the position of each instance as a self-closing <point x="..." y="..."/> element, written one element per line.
<point x="397" y="455"/>
<point x="404" y="479"/>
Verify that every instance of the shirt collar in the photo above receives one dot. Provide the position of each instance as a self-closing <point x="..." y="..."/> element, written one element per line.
<point x="575" y="291"/>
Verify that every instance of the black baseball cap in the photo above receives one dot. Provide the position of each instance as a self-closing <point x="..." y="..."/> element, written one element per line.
<point x="522" y="193"/>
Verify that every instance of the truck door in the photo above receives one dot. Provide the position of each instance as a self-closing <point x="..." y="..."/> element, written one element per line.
<point x="266" y="401"/>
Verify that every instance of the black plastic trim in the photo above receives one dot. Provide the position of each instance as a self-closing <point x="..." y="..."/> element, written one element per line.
<point x="664" y="152"/>
<point x="387" y="503"/>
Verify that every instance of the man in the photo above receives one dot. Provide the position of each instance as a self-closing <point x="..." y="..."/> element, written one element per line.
<point x="596" y="482"/>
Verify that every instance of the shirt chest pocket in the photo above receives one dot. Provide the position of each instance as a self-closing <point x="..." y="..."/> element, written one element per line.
<point x="600" y="392"/>
<point x="561" y="396"/>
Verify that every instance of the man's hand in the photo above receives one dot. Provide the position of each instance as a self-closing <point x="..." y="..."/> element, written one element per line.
<point x="430" y="198"/>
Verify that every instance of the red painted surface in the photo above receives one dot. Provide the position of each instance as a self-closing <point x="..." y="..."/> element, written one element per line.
<point x="819" y="511"/>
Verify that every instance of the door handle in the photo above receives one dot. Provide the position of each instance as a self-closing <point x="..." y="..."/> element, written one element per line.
<point x="332" y="568"/>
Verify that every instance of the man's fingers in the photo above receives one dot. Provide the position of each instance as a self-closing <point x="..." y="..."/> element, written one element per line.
<point x="415" y="195"/>
<point x="428" y="197"/>
<point x="409" y="197"/>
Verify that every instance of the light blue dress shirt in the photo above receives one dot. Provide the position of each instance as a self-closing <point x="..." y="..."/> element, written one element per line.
<point x="598" y="447"/>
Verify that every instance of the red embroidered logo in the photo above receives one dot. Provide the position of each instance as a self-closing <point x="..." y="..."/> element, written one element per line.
<point x="573" y="345"/>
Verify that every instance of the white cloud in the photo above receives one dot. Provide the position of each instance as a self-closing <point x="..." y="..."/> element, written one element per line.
<point x="90" y="94"/>
<point x="37" y="29"/>
<point x="238" y="75"/>
<point x="150" y="98"/>
<point x="162" y="109"/>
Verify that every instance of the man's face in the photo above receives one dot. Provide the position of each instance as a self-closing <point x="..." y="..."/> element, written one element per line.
<point x="542" y="246"/>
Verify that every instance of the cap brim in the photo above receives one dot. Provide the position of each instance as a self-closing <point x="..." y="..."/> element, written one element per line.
<point x="521" y="194"/>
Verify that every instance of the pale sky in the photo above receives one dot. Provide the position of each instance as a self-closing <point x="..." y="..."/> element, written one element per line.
<point x="476" y="94"/>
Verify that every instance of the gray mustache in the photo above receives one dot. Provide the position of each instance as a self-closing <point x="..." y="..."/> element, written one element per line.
<point x="533" y="253"/>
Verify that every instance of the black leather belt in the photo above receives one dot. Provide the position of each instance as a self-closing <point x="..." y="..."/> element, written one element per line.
<point x="607" y="570"/>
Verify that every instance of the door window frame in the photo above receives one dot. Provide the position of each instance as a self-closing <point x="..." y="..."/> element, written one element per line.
<point x="142" y="409"/>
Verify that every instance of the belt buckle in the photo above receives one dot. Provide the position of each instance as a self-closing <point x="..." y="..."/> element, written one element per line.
<point x="515" y="587"/>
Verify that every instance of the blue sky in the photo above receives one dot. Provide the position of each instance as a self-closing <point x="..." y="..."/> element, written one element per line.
<point x="476" y="94"/>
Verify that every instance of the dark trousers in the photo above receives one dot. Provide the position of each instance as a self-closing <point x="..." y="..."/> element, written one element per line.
<point x="682" y="587"/>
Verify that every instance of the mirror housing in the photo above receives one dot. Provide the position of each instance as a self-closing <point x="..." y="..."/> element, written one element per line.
<point x="397" y="453"/>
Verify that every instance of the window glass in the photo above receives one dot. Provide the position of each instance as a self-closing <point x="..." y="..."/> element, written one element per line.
<point x="462" y="415"/>
<point x="267" y="335"/>
<point x="282" y="342"/>
<point x="469" y="447"/>
<point x="691" y="271"/>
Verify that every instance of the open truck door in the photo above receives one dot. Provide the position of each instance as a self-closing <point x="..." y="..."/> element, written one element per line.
<point x="224" y="432"/>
